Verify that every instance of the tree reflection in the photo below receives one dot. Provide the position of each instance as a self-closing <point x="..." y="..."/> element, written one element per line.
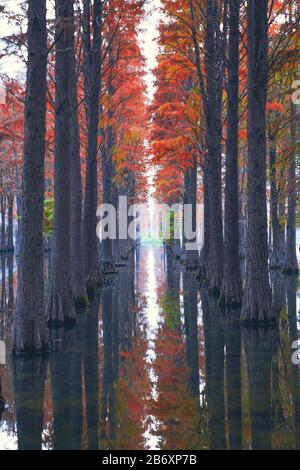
<point x="232" y="332"/>
<point x="29" y="386"/>
<point x="214" y="354"/>
<point x="260" y="346"/>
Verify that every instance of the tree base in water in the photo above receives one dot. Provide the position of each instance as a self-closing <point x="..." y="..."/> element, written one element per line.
<point x="253" y="323"/>
<point x="31" y="352"/>
<point x="231" y="303"/>
<point x="81" y="303"/>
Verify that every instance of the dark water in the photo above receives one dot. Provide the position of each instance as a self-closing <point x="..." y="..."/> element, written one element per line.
<point x="154" y="364"/>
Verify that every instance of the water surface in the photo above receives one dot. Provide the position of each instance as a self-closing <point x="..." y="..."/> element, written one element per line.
<point x="155" y="364"/>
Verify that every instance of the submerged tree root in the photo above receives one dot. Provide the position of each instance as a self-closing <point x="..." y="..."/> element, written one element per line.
<point x="61" y="311"/>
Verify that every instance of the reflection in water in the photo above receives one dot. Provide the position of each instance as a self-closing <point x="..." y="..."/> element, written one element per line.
<point x="232" y="332"/>
<point x="260" y="346"/>
<point x="29" y="386"/>
<point x="155" y="364"/>
<point x="214" y="354"/>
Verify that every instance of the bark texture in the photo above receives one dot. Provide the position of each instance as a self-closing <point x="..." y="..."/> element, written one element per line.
<point x="257" y="297"/>
<point x="191" y="258"/>
<point x="291" y="262"/>
<point x="60" y="309"/>
<point x="232" y="283"/>
<point x="78" y="281"/>
<point x="30" y="332"/>
<point x="214" y="73"/>
<point x="278" y="231"/>
<point x="93" y="82"/>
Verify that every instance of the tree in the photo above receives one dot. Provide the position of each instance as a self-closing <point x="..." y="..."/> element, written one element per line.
<point x="92" y="72"/>
<point x="257" y="297"/>
<point x="60" y="309"/>
<point x="232" y="284"/>
<point x="78" y="279"/>
<point x="30" y="332"/>
<point x="291" y="263"/>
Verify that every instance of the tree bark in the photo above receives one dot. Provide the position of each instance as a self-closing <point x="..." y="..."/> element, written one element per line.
<point x="78" y="281"/>
<point x="257" y="297"/>
<point x="93" y="66"/>
<point x="60" y="308"/>
<point x="3" y="223"/>
<point x="191" y="257"/>
<point x="214" y="73"/>
<point x="291" y="262"/>
<point x="30" y="332"/>
<point x="278" y="232"/>
<point x="205" y="249"/>
<point x="231" y="295"/>
<point x="10" y="223"/>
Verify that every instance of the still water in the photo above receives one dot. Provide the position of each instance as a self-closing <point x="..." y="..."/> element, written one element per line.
<point x="155" y="364"/>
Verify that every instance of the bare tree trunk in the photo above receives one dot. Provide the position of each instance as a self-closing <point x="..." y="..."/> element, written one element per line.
<point x="214" y="72"/>
<point x="205" y="249"/>
<point x="78" y="281"/>
<point x="60" y="308"/>
<point x="3" y="223"/>
<point x="191" y="257"/>
<point x="109" y="189"/>
<point x="291" y="262"/>
<point x="10" y="223"/>
<point x="93" y="65"/>
<point x="278" y="232"/>
<point x="30" y="332"/>
<point x="232" y="283"/>
<point x="257" y="298"/>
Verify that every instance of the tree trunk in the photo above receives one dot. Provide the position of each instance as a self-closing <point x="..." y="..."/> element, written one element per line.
<point x="60" y="303"/>
<point x="278" y="232"/>
<point x="78" y="282"/>
<point x="232" y="283"/>
<point x="257" y="298"/>
<point x="3" y="224"/>
<point x="214" y="73"/>
<point x="10" y="224"/>
<point x="30" y="332"/>
<point x="291" y="262"/>
<point x="205" y="249"/>
<point x="90" y="242"/>
<point x="191" y="256"/>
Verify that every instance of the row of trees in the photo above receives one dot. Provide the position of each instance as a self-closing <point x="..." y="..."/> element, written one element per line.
<point x="225" y="77"/>
<point x="85" y="122"/>
<point x="223" y="104"/>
